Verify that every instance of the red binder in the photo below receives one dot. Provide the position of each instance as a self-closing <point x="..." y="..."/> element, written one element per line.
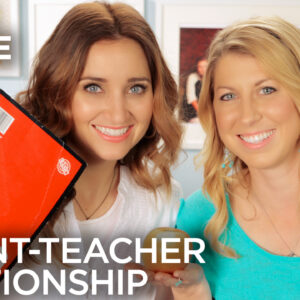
<point x="37" y="170"/>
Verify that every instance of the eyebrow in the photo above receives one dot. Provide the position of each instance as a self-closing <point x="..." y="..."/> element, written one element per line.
<point x="130" y="80"/>
<point x="259" y="82"/>
<point x="262" y="81"/>
<point x="93" y="79"/>
<point x="134" y="79"/>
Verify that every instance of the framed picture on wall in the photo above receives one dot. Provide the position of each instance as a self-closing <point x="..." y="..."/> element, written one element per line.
<point x="176" y="18"/>
<point x="9" y="39"/>
<point x="194" y="43"/>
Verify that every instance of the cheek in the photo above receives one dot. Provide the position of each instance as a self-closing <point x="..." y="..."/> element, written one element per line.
<point x="225" y="119"/>
<point x="282" y="113"/>
<point x="81" y="111"/>
<point x="144" y="112"/>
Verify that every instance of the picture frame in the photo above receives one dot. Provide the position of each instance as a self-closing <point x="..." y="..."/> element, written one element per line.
<point x="194" y="43"/>
<point x="44" y="15"/>
<point x="171" y="16"/>
<point x="10" y="65"/>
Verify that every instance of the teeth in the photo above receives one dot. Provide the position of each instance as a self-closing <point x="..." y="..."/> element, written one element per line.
<point x="257" y="138"/>
<point x="112" y="132"/>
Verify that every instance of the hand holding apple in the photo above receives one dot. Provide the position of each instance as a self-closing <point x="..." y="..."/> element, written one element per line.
<point x="161" y="233"/>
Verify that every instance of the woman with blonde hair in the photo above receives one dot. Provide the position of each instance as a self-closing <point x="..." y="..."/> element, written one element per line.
<point x="101" y="84"/>
<point x="248" y="211"/>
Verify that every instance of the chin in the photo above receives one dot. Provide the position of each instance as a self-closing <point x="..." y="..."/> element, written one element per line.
<point x="261" y="163"/>
<point x="112" y="156"/>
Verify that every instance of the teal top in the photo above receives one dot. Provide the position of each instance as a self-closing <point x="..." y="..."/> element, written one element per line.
<point x="256" y="275"/>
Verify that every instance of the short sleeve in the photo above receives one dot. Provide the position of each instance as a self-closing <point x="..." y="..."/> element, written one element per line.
<point x="194" y="214"/>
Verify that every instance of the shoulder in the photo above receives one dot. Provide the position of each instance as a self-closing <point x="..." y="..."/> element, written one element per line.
<point x="127" y="185"/>
<point x="194" y="213"/>
<point x="167" y="206"/>
<point x="197" y="202"/>
<point x="161" y="206"/>
<point x="176" y="191"/>
<point x="173" y="200"/>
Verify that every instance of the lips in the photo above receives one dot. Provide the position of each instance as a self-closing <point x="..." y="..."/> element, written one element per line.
<point x="258" y="137"/>
<point x="113" y="132"/>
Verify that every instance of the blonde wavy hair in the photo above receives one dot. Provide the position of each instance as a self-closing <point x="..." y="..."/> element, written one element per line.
<point x="57" y="70"/>
<point x="275" y="43"/>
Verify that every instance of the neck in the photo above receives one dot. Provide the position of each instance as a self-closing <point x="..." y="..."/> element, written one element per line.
<point x="280" y="187"/>
<point x="94" y="181"/>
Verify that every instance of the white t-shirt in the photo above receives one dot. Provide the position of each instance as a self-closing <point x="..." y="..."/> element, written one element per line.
<point x="190" y="87"/>
<point x="135" y="212"/>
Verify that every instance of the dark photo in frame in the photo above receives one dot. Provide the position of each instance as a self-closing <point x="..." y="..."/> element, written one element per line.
<point x="194" y="43"/>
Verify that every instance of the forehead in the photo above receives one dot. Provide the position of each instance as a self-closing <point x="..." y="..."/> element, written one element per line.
<point x="237" y="66"/>
<point x="120" y="55"/>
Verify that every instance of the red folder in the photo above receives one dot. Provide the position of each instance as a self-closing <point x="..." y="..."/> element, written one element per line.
<point x="37" y="170"/>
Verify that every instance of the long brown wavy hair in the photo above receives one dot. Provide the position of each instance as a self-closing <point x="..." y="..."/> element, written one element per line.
<point x="59" y="65"/>
<point x="275" y="44"/>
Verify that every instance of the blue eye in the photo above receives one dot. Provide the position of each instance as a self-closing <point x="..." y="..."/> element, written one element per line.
<point x="137" y="89"/>
<point x="227" y="97"/>
<point x="93" y="88"/>
<point x="267" y="90"/>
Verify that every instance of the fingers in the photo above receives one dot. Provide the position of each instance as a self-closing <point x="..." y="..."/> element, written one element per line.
<point x="166" y="279"/>
<point x="192" y="274"/>
<point x="135" y="266"/>
<point x="159" y="278"/>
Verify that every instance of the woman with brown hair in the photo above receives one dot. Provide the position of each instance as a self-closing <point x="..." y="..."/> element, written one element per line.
<point x="101" y="84"/>
<point x="249" y="210"/>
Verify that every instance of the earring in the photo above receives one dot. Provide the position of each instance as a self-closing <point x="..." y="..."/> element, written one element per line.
<point x="227" y="159"/>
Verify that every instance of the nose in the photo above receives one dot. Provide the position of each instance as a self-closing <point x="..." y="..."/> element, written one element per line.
<point x="250" y="110"/>
<point x="117" y="108"/>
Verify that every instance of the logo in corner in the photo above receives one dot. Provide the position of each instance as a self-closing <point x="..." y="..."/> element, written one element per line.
<point x="63" y="166"/>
